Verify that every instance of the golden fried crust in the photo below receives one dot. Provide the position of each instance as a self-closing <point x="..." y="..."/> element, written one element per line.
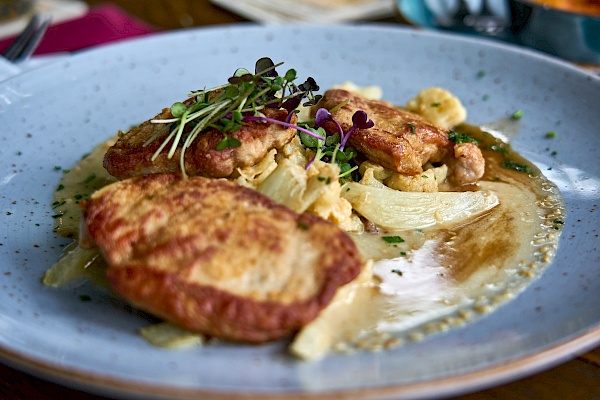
<point x="218" y="258"/>
<point x="400" y="140"/>
<point x="132" y="154"/>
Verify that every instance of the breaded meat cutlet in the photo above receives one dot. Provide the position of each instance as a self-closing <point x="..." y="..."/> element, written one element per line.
<point x="214" y="257"/>
<point x="132" y="154"/>
<point x="401" y="140"/>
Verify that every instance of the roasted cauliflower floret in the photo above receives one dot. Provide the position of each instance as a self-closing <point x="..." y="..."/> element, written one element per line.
<point x="428" y="181"/>
<point x="439" y="107"/>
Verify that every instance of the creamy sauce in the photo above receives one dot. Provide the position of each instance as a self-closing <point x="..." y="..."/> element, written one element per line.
<point x="430" y="282"/>
<point x="438" y="279"/>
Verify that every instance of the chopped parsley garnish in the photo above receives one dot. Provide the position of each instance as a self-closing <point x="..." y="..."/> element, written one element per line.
<point x="303" y="226"/>
<point x="459" y="138"/>
<point x="392" y="239"/>
<point x="550" y="134"/>
<point x="558" y="223"/>
<point x="516" y="166"/>
<point x="57" y="204"/>
<point x="397" y="272"/>
<point x="518" y="114"/>
<point x="413" y="129"/>
<point x="89" y="179"/>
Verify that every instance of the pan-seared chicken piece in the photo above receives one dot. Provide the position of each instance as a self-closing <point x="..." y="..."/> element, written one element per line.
<point x="468" y="164"/>
<point x="215" y="257"/>
<point x="401" y="140"/>
<point x="132" y="154"/>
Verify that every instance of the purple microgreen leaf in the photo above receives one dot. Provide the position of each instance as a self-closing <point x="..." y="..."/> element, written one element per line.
<point x="309" y="85"/>
<point x="241" y="75"/>
<point x="265" y="67"/>
<point x="291" y="105"/>
<point x="248" y="118"/>
<point x="323" y="116"/>
<point x="359" y="121"/>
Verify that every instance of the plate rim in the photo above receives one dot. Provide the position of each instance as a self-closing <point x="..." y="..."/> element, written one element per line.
<point x="104" y="384"/>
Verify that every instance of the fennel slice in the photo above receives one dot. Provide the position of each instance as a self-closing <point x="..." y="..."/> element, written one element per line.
<point x="71" y="265"/>
<point x="166" y="335"/>
<point x="396" y="210"/>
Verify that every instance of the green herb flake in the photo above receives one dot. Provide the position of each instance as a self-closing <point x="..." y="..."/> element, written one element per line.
<point x="485" y="97"/>
<point x="60" y="187"/>
<point x="89" y="179"/>
<point x="518" y="115"/>
<point x="516" y="166"/>
<point x="481" y="73"/>
<point x="436" y="104"/>
<point x="551" y="134"/>
<point x="392" y="239"/>
<point x="397" y="272"/>
<point x="459" y="138"/>
<point x="303" y="226"/>
<point x="557" y="224"/>
<point x="57" y="204"/>
<point x="413" y="128"/>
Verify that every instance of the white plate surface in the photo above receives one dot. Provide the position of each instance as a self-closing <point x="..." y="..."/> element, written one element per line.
<point x="53" y="115"/>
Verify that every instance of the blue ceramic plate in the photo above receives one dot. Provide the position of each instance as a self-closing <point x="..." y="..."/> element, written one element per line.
<point x="53" y="115"/>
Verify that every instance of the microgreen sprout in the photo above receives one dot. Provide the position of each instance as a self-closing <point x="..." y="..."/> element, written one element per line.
<point x="227" y="107"/>
<point x="333" y="147"/>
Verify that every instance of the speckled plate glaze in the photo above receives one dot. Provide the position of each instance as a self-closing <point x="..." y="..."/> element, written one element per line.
<point x="53" y="115"/>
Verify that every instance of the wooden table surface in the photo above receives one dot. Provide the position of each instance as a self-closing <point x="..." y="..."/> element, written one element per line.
<point x="576" y="379"/>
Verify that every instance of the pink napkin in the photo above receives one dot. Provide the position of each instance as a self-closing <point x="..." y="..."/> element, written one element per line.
<point x="102" y="24"/>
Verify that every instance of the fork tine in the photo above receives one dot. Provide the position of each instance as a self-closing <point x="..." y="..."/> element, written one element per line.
<point x="34" y="39"/>
<point x="28" y="39"/>
<point x="15" y="47"/>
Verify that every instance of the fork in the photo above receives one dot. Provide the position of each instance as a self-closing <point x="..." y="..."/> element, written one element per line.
<point x="28" y="40"/>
